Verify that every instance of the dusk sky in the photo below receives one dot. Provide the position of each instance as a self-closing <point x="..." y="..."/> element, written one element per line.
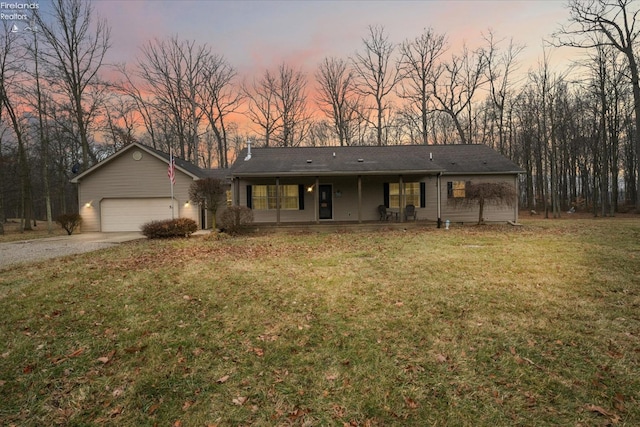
<point x="256" y="35"/>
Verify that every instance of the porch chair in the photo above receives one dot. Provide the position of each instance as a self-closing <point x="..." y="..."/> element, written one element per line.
<point x="384" y="214"/>
<point x="410" y="211"/>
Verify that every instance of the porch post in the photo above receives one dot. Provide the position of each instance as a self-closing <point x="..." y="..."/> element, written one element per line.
<point x="236" y="192"/>
<point x="316" y="197"/>
<point x="359" y="198"/>
<point x="401" y="201"/>
<point x="277" y="200"/>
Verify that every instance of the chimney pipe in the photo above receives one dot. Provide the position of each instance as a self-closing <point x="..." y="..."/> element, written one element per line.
<point x="248" y="151"/>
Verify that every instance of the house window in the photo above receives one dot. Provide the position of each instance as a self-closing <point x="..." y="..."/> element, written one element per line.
<point x="264" y="197"/>
<point x="456" y="189"/>
<point x="412" y="194"/>
<point x="229" y="198"/>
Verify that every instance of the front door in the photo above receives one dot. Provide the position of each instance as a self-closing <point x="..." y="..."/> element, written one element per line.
<point x="325" y="209"/>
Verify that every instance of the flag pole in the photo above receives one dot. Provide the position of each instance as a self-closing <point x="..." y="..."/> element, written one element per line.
<point x="172" y="178"/>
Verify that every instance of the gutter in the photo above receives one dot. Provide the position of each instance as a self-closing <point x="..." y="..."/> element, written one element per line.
<point x="334" y="173"/>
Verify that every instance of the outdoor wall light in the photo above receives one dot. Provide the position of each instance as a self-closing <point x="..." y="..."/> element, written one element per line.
<point x="310" y="189"/>
<point x="87" y="205"/>
<point x="187" y="203"/>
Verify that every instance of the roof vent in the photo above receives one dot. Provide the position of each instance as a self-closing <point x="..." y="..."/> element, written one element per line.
<point x="360" y="160"/>
<point x="431" y="156"/>
<point x="309" y="161"/>
<point x="248" y="151"/>
<point x="334" y="154"/>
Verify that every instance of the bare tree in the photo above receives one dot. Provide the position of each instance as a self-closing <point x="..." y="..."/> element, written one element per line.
<point x="484" y="193"/>
<point x="611" y="23"/>
<point x="377" y="76"/>
<point x="9" y="84"/>
<point x="419" y="62"/>
<point x="39" y="101"/>
<point x="142" y="104"/>
<point x="500" y="65"/>
<point x="209" y="193"/>
<point x="219" y="99"/>
<point x="337" y="96"/>
<point x="120" y="118"/>
<point x="291" y="106"/>
<point x="454" y="87"/>
<point x="262" y="105"/>
<point x="75" y="54"/>
<point x="174" y="71"/>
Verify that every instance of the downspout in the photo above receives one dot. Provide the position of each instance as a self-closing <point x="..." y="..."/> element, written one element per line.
<point x="236" y="192"/>
<point x="359" y="198"/>
<point x="438" y="199"/>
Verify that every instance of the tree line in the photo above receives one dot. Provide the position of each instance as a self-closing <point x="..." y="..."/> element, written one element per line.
<point x="574" y="132"/>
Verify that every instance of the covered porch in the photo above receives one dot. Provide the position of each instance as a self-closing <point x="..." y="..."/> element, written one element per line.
<point x="338" y="198"/>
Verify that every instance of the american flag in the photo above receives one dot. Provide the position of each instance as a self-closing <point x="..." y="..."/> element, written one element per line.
<point x="172" y="169"/>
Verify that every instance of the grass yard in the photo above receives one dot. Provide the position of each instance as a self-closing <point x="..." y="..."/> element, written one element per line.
<point x="474" y="326"/>
<point x="39" y="231"/>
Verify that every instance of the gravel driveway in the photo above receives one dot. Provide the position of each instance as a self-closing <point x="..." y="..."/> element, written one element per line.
<point x="13" y="253"/>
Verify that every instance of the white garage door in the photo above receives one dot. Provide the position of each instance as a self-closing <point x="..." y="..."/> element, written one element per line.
<point x="130" y="214"/>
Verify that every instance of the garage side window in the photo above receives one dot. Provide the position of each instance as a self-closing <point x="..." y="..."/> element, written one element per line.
<point x="456" y="189"/>
<point x="264" y="197"/>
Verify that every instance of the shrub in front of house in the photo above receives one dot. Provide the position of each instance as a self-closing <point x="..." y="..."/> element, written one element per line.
<point x="69" y="221"/>
<point x="236" y="219"/>
<point x="179" y="227"/>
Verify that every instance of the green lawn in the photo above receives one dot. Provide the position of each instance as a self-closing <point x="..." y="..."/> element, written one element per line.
<point x="474" y="326"/>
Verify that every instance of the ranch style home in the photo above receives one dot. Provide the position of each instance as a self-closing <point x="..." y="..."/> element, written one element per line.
<point x="302" y="185"/>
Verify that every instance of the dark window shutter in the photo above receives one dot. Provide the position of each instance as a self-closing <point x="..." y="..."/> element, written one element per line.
<point x="423" y="194"/>
<point x="249" y="197"/>
<point x="301" y="197"/>
<point x="449" y="189"/>
<point x="386" y="194"/>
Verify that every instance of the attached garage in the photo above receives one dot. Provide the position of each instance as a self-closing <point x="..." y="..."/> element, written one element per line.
<point x="131" y="214"/>
<point x="131" y="188"/>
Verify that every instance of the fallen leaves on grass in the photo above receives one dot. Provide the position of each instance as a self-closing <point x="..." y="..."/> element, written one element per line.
<point x="240" y="400"/>
<point x="614" y="418"/>
<point x="411" y="404"/>
<point x="106" y="359"/>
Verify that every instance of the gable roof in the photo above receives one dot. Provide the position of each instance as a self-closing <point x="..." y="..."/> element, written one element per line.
<point x="373" y="160"/>
<point x="182" y="165"/>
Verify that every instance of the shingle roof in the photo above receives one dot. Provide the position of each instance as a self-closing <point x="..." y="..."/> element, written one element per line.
<point x="180" y="163"/>
<point x="372" y="160"/>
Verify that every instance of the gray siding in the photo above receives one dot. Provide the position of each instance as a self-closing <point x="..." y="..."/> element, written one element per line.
<point x="459" y="212"/>
<point x="124" y="177"/>
<point x="345" y="199"/>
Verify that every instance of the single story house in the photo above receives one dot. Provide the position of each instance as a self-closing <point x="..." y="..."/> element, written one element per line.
<point x="318" y="184"/>
<point x="131" y="187"/>
<point x="298" y="185"/>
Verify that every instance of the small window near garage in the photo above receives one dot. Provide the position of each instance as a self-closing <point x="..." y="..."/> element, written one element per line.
<point x="456" y="189"/>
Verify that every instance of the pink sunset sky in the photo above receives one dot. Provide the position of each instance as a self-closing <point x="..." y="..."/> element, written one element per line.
<point x="256" y="35"/>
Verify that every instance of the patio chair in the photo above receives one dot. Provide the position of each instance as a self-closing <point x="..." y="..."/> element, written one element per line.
<point x="384" y="214"/>
<point x="410" y="212"/>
